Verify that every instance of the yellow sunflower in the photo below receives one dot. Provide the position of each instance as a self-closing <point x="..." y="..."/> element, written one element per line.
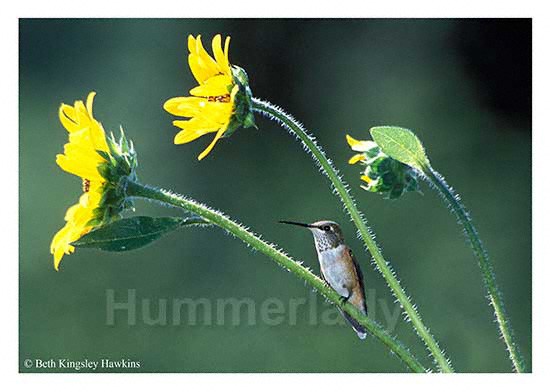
<point x="221" y="101"/>
<point x="86" y="137"/>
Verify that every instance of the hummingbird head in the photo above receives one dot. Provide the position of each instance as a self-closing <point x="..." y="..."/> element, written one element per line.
<point x="327" y="234"/>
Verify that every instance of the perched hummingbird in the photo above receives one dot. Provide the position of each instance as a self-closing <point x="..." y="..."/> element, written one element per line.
<point x="339" y="269"/>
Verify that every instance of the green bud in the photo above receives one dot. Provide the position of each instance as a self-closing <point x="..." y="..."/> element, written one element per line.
<point x="385" y="175"/>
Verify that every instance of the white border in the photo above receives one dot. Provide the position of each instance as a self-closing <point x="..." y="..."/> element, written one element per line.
<point x="101" y="8"/>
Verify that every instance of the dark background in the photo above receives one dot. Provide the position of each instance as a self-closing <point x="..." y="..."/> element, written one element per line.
<point x="464" y="86"/>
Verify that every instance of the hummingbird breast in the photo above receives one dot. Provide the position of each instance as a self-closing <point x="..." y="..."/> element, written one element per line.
<point x="338" y="270"/>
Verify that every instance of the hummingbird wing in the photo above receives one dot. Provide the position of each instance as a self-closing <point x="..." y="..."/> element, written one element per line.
<point x="358" y="299"/>
<point x="359" y="278"/>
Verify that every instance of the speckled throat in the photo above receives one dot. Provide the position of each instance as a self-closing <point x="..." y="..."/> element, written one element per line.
<point x="325" y="241"/>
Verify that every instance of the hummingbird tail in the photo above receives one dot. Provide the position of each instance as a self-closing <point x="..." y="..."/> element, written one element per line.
<point x="358" y="328"/>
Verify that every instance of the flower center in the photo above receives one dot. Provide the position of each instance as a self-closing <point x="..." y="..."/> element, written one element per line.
<point x="85" y="185"/>
<point x="220" y="98"/>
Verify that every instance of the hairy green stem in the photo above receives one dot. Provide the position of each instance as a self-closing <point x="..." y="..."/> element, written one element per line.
<point x="489" y="279"/>
<point x="294" y="127"/>
<point x="215" y="217"/>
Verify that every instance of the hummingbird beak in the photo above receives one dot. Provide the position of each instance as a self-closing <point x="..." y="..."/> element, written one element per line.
<point x="297" y="224"/>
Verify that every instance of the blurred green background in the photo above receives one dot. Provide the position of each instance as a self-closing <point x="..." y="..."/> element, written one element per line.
<point x="464" y="86"/>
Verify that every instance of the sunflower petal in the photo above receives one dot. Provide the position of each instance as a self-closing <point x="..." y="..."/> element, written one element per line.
<point x="219" y="54"/>
<point x="226" y="49"/>
<point x="67" y="117"/>
<point x="188" y="135"/>
<point x="356" y="158"/>
<point x="367" y="179"/>
<point x="77" y="168"/>
<point x="359" y="145"/>
<point x="197" y="123"/>
<point x="212" y="144"/>
<point x="215" y="86"/>
<point x="205" y="60"/>
<point x="200" y="73"/>
<point x="90" y="103"/>
<point x="191" y="43"/>
<point x="184" y="106"/>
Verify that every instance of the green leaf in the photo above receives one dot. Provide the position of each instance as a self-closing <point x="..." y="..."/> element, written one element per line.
<point x="133" y="233"/>
<point x="402" y="145"/>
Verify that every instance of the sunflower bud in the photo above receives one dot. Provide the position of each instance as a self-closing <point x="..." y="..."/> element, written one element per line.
<point x="382" y="174"/>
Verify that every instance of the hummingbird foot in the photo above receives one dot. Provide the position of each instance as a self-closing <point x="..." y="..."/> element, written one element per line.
<point x="345" y="299"/>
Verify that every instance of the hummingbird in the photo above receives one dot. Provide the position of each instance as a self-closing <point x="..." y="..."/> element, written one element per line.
<point x="339" y="269"/>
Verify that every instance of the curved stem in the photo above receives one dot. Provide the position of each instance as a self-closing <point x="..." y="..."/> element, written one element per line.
<point x="138" y="190"/>
<point x="489" y="279"/>
<point x="294" y="127"/>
